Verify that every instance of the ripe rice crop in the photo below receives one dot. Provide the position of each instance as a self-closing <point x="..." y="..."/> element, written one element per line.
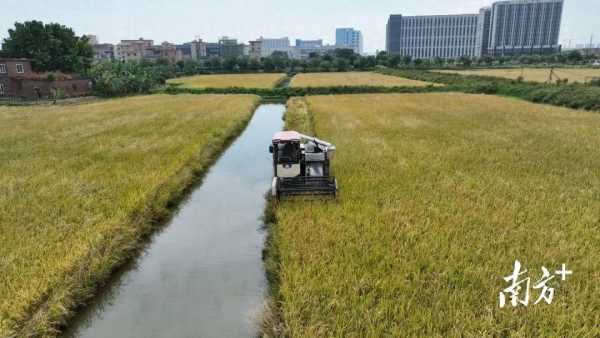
<point x="581" y="75"/>
<point x="440" y="194"/>
<point x="264" y="81"/>
<point x="353" y="79"/>
<point x="81" y="184"/>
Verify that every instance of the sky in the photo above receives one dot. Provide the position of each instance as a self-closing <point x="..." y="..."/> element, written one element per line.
<point x="185" y="20"/>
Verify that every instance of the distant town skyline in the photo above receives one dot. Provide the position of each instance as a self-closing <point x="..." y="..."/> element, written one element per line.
<point x="185" y="20"/>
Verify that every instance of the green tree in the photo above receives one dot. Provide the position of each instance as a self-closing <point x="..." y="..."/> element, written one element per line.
<point x="345" y="53"/>
<point x="438" y="61"/>
<point x="574" y="56"/>
<point x="254" y="64"/>
<point x="406" y="60"/>
<point x="51" y="47"/>
<point x="393" y="61"/>
<point x="230" y="64"/>
<point x="314" y="64"/>
<point x="341" y="64"/>
<point x="190" y="67"/>
<point x="382" y="58"/>
<point x="465" y="61"/>
<point x="214" y="63"/>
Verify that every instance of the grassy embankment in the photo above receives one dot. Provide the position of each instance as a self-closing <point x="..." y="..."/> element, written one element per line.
<point x="353" y="79"/>
<point x="440" y="193"/>
<point x="82" y="185"/>
<point x="261" y="81"/>
<point x="581" y="75"/>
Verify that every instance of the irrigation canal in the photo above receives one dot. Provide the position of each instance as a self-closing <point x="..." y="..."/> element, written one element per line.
<point x="203" y="275"/>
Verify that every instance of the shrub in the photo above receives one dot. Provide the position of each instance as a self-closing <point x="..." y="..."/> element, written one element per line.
<point x="114" y="78"/>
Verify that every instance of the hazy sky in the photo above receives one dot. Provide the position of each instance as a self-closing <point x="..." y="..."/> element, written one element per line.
<point x="183" y="20"/>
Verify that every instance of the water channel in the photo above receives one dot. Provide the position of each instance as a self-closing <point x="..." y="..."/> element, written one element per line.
<point x="202" y="276"/>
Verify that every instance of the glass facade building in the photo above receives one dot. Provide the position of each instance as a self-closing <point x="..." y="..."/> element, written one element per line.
<point x="349" y="38"/>
<point x="524" y="27"/>
<point x="428" y="37"/>
<point x="505" y="28"/>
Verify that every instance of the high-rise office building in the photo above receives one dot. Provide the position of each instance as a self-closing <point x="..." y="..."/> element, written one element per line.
<point x="506" y="28"/>
<point x="524" y="27"/>
<point x="427" y="37"/>
<point x="349" y="38"/>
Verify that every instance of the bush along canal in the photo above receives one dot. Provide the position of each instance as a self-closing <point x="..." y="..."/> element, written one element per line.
<point x="203" y="275"/>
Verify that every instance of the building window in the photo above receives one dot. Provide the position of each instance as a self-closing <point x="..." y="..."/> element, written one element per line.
<point x="2" y="68"/>
<point x="20" y="68"/>
<point x="2" y="89"/>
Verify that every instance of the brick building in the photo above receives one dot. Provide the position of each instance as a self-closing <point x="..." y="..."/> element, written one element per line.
<point x="18" y="80"/>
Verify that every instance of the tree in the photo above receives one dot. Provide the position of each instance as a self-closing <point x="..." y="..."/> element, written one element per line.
<point x="393" y="61"/>
<point x="280" y="60"/>
<point x="268" y="64"/>
<point x="488" y="60"/>
<point x="341" y="64"/>
<point x="525" y="59"/>
<point x="465" y="61"/>
<point x="189" y="67"/>
<point x="345" y="53"/>
<point x="382" y="58"/>
<point x="406" y="60"/>
<point x="254" y="64"/>
<point x="230" y="64"/>
<point x="51" y="47"/>
<point x="438" y="61"/>
<point x="325" y="66"/>
<point x="574" y="56"/>
<point x="214" y="63"/>
<point x="314" y="63"/>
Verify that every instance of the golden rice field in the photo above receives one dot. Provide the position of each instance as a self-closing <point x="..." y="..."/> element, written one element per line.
<point x="440" y="194"/>
<point x="81" y="184"/>
<point x="353" y="79"/>
<point x="581" y="75"/>
<point x="264" y="81"/>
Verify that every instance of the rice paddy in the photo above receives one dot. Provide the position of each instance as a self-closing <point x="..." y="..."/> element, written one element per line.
<point x="353" y="79"/>
<point x="262" y="81"/>
<point x="81" y="185"/>
<point x="440" y="194"/>
<point x="581" y="75"/>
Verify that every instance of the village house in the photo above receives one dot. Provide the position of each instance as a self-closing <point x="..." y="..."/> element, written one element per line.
<point x="18" y="80"/>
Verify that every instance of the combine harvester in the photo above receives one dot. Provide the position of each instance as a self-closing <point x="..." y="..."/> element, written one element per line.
<point x="301" y="166"/>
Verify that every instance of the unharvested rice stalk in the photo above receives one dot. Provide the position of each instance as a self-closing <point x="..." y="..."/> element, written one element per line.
<point x="440" y="194"/>
<point x="264" y="81"/>
<point x="82" y="185"/>
<point x="581" y="75"/>
<point x="353" y="79"/>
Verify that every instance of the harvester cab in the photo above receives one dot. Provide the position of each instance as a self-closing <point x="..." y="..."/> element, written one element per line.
<point x="301" y="166"/>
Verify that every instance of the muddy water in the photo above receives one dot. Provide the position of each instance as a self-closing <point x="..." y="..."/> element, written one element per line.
<point x="203" y="275"/>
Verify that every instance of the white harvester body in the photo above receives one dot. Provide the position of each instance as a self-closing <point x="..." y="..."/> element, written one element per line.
<point x="301" y="165"/>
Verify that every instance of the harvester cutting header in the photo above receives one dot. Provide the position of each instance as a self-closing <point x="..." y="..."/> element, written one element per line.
<point x="301" y="165"/>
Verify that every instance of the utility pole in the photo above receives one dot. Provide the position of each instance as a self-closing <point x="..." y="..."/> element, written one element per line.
<point x="591" y="44"/>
